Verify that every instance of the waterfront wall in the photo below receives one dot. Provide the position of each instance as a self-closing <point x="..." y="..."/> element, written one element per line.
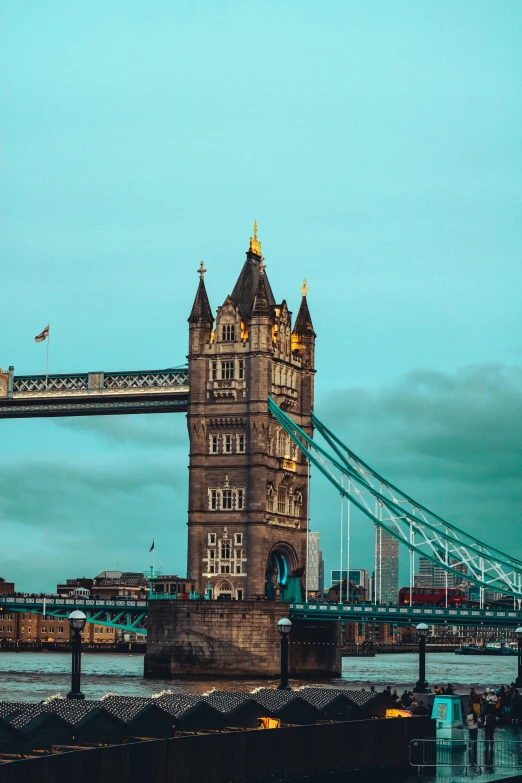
<point x="235" y="639"/>
<point x="264" y="756"/>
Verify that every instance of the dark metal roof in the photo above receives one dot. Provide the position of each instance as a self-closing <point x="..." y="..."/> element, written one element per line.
<point x="247" y="284"/>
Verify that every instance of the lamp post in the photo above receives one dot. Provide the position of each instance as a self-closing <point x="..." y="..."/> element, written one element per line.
<point x="284" y="627"/>
<point x="421" y="685"/>
<point x="76" y="621"/>
<point x="518" y="634"/>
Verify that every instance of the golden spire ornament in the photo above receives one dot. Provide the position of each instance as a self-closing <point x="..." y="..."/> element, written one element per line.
<point x="255" y="245"/>
<point x="304" y="288"/>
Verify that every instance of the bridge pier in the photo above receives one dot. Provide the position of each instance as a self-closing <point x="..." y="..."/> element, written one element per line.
<point x="235" y="639"/>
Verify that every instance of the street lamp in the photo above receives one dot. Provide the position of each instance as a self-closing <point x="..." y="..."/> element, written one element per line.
<point x="284" y="627"/>
<point x="76" y="621"/>
<point x="518" y="634"/>
<point x="422" y="632"/>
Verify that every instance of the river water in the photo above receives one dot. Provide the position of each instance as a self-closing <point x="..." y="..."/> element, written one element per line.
<point x="28" y="676"/>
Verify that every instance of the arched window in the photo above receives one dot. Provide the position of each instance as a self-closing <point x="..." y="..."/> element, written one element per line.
<point x="228" y="333"/>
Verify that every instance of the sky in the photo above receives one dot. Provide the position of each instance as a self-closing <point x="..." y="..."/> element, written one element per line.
<point x="378" y="146"/>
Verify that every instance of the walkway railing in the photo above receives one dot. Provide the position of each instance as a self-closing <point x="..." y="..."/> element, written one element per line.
<point x="482" y="754"/>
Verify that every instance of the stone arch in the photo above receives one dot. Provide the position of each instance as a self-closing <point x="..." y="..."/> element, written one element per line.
<point x="223" y="589"/>
<point x="281" y="563"/>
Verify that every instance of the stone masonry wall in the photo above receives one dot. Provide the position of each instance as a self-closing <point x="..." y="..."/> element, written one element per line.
<point x="234" y="639"/>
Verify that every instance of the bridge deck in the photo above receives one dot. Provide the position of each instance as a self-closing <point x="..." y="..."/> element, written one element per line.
<point x="94" y="393"/>
<point x="404" y="614"/>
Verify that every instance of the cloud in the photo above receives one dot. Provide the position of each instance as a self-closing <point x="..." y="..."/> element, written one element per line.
<point x="452" y="441"/>
<point x="143" y="430"/>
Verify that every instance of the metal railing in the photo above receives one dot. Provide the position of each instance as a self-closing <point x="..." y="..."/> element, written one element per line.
<point x="466" y="753"/>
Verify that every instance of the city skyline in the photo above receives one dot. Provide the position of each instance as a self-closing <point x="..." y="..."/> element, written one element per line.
<point x="381" y="163"/>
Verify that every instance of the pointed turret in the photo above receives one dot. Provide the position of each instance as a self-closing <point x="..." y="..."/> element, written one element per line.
<point x="261" y="306"/>
<point x="247" y="283"/>
<point x="201" y="311"/>
<point x="303" y="326"/>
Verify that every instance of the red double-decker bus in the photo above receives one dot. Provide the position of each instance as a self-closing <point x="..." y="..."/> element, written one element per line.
<point x="432" y="596"/>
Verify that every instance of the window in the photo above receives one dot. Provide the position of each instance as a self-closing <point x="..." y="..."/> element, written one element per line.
<point x="225" y="550"/>
<point x="107" y="630"/>
<point x="213" y="371"/>
<point x="240" y="498"/>
<point x="225" y="569"/>
<point x="240" y="444"/>
<point x="211" y="538"/>
<point x="238" y="539"/>
<point x="228" y="333"/>
<point x="227" y="444"/>
<point x="213" y="444"/>
<point x="281" y="501"/>
<point x="9" y="627"/>
<point x="227" y="371"/>
<point x="214" y="500"/>
<point x="226" y="499"/>
<point x="241" y="369"/>
<point x="211" y="554"/>
<point x="211" y="568"/>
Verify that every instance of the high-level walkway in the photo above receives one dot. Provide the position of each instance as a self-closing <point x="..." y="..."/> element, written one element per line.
<point x="94" y="393"/>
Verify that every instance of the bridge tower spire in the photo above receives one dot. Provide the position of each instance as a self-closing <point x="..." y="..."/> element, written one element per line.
<point x="248" y="493"/>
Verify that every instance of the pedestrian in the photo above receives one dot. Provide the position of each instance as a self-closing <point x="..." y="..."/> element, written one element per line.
<point x="490" y="724"/>
<point x="472" y="726"/>
<point x="438" y="690"/>
<point x="474" y="702"/>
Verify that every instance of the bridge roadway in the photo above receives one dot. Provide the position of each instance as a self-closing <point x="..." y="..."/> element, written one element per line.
<point x="93" y="393"/>
<point x="130" y="615"/>
<point x="404" y="614"/>
<point x="123" y="613"/>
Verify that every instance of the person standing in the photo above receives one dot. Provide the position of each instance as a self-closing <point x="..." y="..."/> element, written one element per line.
<point x="472" y="726"/>
<point x="474" y="702"/>
<point x="490" y="724"/>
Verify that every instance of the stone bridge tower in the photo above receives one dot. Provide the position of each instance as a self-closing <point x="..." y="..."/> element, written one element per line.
<point x="248" y="489"/>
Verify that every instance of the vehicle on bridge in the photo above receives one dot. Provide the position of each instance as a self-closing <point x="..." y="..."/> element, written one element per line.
<point x="432" y="596"/>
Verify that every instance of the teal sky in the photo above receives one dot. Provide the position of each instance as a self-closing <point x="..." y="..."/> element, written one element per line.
<point x="377" y="144"/>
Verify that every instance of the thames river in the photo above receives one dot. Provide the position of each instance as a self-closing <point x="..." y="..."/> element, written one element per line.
<point x="28" y="676"/>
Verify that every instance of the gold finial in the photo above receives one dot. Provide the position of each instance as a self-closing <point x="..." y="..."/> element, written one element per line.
<point x="201" y="271"/>
<point x="304" y="288"/>
<point x="255" y="245"/>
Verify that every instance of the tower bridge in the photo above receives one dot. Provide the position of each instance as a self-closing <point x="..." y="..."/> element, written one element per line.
<point x="248" y="392"/>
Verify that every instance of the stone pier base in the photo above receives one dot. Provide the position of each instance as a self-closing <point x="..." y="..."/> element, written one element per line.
<point x="235" y="639"/>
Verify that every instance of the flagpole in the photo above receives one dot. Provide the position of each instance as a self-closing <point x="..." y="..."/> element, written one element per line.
<point x="47" y="354"/>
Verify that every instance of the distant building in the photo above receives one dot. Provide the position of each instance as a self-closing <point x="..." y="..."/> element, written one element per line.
<point x="386" y="567"/>
<point x="109" y="584"/>
<point x="173" y="586"/>
<point x="35" y="628"/>
<point x="6" y="587"/>
<point x="314" y="561"/>
<point x="432" y="575"/>
<point x="321" y="573"/>
<point x="359" y="576"/>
